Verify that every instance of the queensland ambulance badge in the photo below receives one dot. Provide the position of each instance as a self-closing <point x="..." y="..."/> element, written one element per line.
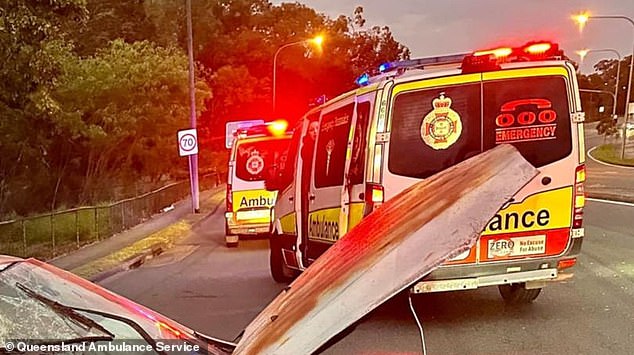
<point x="255" y="163"/>
<point x="441" y="127"/>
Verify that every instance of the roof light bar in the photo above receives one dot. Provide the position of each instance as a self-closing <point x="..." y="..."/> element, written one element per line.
<point x="385" y="67"/>
<point x="490" y="59"/>
<point x="538" y="48"/>
<point x="497" y="52"/>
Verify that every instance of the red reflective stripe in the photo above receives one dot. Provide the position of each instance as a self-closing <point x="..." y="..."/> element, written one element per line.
<point x="556" y="242"/>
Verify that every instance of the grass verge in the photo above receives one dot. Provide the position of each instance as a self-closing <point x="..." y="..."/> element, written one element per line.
<point x="611" y="153"/>
<point x="166" y="237"/>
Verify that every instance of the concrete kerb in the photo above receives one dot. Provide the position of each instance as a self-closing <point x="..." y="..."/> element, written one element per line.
<point x="140" y="258"/>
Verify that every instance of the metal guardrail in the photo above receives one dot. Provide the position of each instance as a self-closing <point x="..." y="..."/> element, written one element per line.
<point x="45" y="236"/>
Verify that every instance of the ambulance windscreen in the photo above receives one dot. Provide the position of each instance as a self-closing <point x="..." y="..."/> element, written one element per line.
<point x="254" y="159"/>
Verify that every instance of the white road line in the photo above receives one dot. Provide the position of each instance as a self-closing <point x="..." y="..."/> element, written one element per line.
<point x="588" y="153"/>
<point x="612" y="202"/>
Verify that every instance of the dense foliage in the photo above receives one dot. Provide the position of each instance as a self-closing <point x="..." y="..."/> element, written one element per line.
<point x="92" y="92"/>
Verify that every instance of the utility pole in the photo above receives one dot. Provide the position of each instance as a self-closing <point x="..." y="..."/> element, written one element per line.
<point x="193" y="159"/>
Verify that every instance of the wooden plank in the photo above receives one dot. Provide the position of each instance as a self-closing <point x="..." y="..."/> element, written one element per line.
<point x="398" y="244"/>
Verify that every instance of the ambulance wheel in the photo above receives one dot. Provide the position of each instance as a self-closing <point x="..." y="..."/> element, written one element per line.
<point x="518" y="293"/>
<point x="279" y="271"/>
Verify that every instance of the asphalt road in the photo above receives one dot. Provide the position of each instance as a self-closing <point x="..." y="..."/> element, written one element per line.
<point x="608" y="180"/>
<point x="217" y="291"/>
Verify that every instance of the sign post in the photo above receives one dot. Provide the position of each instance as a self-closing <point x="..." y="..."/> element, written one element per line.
<point x="188" y="147"/>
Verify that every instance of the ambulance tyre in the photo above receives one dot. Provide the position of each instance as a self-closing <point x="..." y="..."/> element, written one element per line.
<point x="517" y="294"/>
<point x="280" y="272"/>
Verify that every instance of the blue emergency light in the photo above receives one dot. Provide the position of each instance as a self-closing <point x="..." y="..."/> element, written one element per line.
<point x="385" y="66"/>
<point x="363" y="80"/>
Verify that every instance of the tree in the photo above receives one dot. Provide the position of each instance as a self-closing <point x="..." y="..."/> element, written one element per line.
<point x="109" y="20"/>
<point x="33" y="47"/>
<point x="121" y="109"/>
<point x="604" y="78"/>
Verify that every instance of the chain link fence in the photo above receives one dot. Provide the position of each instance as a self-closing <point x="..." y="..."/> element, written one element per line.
<point x="48" y="235"/>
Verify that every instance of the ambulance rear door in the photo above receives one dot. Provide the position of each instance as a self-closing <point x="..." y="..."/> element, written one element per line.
<point x="327" y="181"/>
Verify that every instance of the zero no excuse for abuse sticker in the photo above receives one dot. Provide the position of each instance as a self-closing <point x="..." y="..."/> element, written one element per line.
<point x="441" y="127"/>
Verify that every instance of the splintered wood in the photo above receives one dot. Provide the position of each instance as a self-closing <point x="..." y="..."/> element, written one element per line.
<point x="405" y="239"/>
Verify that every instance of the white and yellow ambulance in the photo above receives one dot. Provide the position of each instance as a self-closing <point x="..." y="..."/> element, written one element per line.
<point x="418" y="117"/>
<point x="248" y="203"/>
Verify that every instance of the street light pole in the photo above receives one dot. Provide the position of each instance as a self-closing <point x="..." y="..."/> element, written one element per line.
<point x="275" y="65"/>
<point x="582" y="19"/>
<point x="193" y="159"/>
<point x="317" y="40"/>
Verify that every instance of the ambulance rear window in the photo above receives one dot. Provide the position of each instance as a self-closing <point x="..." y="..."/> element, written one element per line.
<point x="433" y="129"/>
<point x="530" y="113"/>
<point x="253" y="159"/>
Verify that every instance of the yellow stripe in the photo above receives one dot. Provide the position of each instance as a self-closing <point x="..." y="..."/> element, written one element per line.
<point x="429" y="83"/>
<point x="289" y="223"/>
<point x="247" y="199"/>
<point x="366" y="89"/>
<point x="552" y="208"/>
<point x="265" y="138"/>
<point x="524" y="73"/>
<point x="356" y="214"/>
<point x="324" y="224"/>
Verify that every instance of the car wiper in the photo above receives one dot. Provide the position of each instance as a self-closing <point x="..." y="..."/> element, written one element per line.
<point x="66" y="311"/>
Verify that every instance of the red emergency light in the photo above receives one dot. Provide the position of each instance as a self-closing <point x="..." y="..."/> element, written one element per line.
<point x="278" y="127"/>
<point x="490" y="59"/>
<point x="274" y="128"/>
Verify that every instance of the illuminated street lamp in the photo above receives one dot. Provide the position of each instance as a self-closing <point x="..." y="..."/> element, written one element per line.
<point x="317" y="41"/>
<point x="582" y="19"/>
<point x="584" y="52"/>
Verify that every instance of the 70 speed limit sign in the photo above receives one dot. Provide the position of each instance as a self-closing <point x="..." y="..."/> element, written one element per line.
<point x="187" y="142"/>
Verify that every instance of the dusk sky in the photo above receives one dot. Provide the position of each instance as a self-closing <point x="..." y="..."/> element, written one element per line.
<point x="432" y="28"/>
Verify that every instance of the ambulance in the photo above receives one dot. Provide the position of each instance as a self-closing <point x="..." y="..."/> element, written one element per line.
<point x="248" y="203"/>
<point x="415" y="118"/>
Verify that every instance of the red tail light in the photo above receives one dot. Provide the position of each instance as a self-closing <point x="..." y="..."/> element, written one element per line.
<point x="229" y="199"/>
<point x="579" y="196"/>
<point x="373" y="196"/>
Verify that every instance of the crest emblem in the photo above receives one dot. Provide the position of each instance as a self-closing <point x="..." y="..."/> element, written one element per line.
<point x="255" y="163"/>
<point x="442" y="126"/>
